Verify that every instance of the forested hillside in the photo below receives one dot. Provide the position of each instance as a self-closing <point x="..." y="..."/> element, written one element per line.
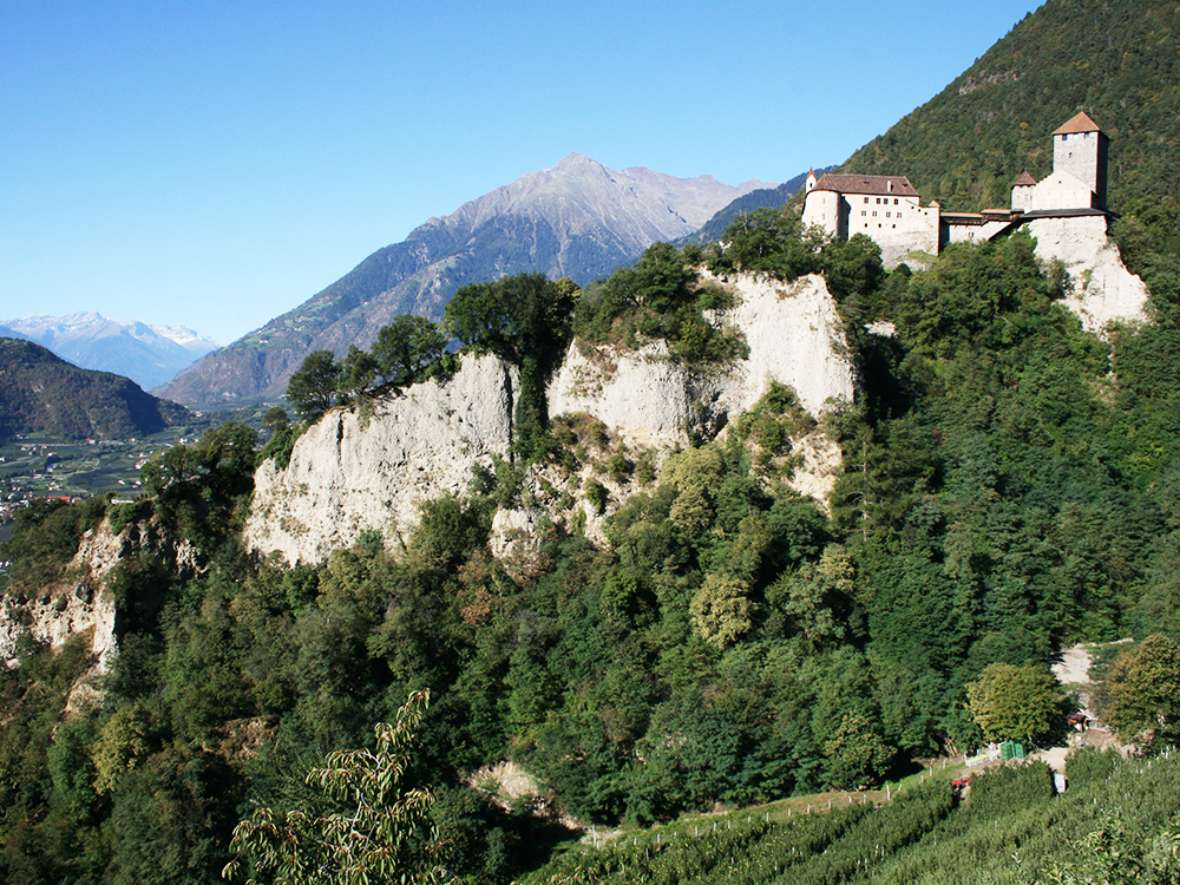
<point x="40" y="392"/>
<point x="1115" y="59"/>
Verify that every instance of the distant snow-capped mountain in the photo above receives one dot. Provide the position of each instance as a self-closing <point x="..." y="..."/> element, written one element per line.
<point x="148" y="354"/>
<point x="578" y="219"/>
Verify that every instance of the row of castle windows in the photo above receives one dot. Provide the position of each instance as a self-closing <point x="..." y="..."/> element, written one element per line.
<point x="886" y="200"/>
<point x="887" y="214"/>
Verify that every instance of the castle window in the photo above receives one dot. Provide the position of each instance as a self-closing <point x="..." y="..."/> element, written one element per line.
<point x="895" y="201"/>
<point x="1065" y="136"/>
<point x="874" y="213"/>
<point x="866" y="199"/>
<point x="863" y="212"/>
<point x="888" y="214"/>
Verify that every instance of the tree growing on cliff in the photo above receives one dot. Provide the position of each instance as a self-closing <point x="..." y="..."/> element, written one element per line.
<point x="405" y="348"/>
<point x="526" y="320"/>
<point x="357" y="376"/>
<point x="313" y="385"/>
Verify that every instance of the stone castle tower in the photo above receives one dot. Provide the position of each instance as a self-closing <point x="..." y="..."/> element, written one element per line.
<point x="1079" y="148"/>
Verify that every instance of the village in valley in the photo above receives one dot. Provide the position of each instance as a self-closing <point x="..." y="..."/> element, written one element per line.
<point x="37" y="466"/>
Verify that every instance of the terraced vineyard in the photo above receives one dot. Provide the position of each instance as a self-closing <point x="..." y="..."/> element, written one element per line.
<point x="1119" y="819"/>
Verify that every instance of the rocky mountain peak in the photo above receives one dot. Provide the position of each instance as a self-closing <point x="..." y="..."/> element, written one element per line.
<point x="578" y="218"/>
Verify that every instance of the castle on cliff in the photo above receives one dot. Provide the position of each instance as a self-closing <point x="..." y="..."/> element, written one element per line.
<point x="888" y="209"/>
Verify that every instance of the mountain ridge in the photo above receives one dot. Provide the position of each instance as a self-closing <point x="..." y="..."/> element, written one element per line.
<point x="578" y="218"/>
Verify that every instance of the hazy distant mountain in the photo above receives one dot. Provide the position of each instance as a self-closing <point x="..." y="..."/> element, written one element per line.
<point x="41" y="392"/>
<point x="579" y="219"/>
<point x="762" y="198"/>
<point x="148" y="355"/>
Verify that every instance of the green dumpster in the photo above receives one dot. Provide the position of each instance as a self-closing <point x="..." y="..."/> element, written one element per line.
<point x="1011" y="750"/>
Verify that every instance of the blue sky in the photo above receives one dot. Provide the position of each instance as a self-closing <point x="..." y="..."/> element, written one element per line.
<point x="215" y="164"/>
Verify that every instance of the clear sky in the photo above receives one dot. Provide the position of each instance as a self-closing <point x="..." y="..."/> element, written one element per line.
<point x="215" y="164"/>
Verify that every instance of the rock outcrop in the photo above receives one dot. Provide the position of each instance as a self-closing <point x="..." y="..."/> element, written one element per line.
<point x="794" y="337"/>
<point x="1102" y="290"/>
<point x="351" y="471"/>
<point x="78" y="603"/>
<point x="643" y="396"/>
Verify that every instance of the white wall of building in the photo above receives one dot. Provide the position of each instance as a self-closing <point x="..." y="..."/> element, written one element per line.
<point x="1061" y="190"/>
<point x="899" y="225"/>
<point x="822" y="209"/>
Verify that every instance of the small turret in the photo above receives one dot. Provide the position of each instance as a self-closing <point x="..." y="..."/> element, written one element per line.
<point x="1022" y="191"/>
<point x="810" y="183"/>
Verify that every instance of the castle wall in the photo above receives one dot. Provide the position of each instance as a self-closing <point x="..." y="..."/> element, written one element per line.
<point x="1022" y="196"/>
<point x="899" y="225"/>
<point x="972" y="233"/>
<point x="1061" y="190"/>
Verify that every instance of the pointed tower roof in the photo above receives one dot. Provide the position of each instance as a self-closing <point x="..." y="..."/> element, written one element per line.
<point x="1025" y="179"/>
<point x="1079" y="122"/>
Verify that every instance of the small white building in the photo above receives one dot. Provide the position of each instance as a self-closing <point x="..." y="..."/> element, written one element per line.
<point x="888" y="209"/>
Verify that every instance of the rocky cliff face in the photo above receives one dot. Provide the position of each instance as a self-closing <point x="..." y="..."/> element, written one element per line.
<point x="79" y="603"/>
<point x="794" y="337"/>
<point x="348" y="473"/>
<point x="351" y="472"/>
<point x="1102" y="290"/>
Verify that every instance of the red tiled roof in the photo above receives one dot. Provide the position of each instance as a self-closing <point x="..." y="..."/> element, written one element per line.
<point x="1079" y="122"/>
<point x="1025" y="179"/>
<point x="867" y="184"/>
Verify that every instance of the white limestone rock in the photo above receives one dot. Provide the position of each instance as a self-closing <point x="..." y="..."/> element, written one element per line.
<point x="349" y="473"/>
<point x="346" y="475"/>
<point x="1102" y="289"/>
<point x="515" y="540"/>
<point x="795" y="338"/>
<point x="78" y="603"/>
<point x="820" y="459"/>
<point x="644" y="396"/>
<point x="794" y="335"/>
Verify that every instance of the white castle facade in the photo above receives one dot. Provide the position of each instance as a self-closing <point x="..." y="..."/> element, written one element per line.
<point x="888" y="209"/>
